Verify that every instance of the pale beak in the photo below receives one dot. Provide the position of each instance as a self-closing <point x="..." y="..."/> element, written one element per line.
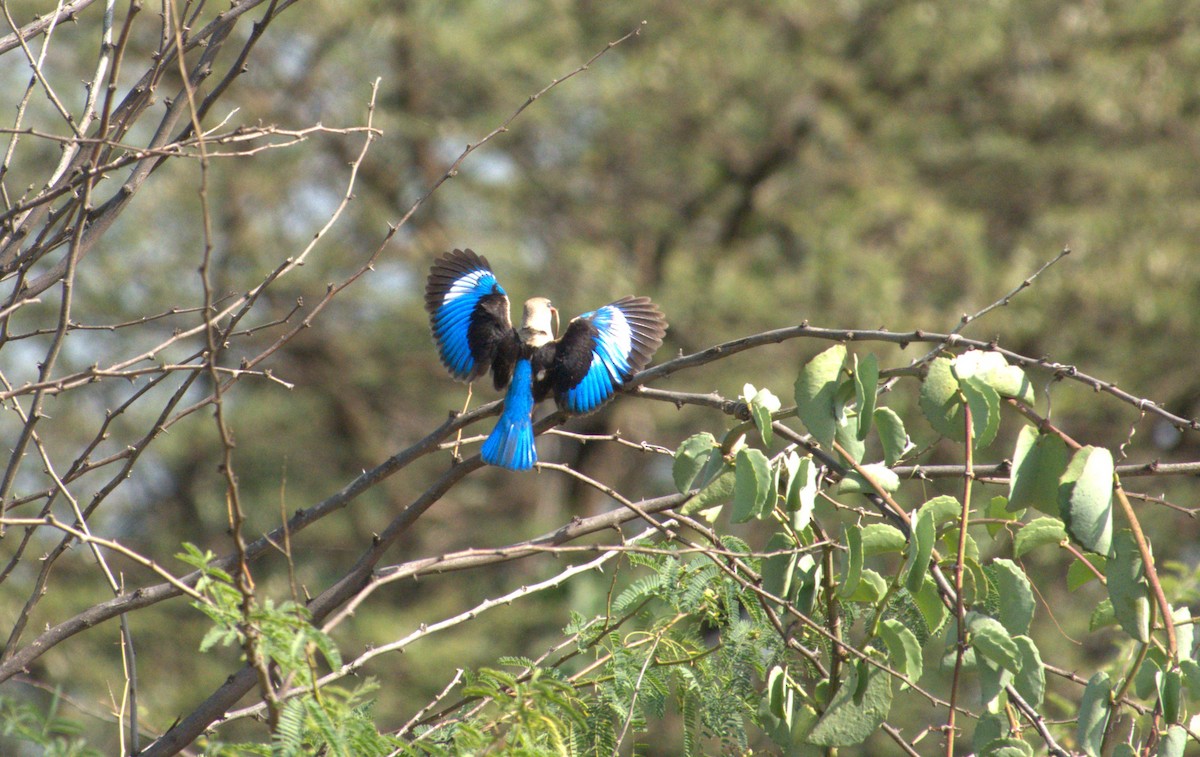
<point x="554" y="312"/>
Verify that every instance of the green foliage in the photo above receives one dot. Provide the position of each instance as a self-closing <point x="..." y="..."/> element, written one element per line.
<point x="24" y="722"/>
<point x="318" y="718"/>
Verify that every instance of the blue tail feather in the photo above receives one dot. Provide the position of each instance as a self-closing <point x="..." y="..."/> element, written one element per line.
<point x="510" y="445"/>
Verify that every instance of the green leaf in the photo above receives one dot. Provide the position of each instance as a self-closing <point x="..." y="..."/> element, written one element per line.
<point x="866" y="382"/>
<point x="985" y="411"/>
<point x="940" y="399"/>
<point x="762" y="403"/>
<point x="920" y="548"/>
<point x="989" y="638"/>
<point x="1191" y="677"/>
<point x="854" y="483"/>
<point x="778" y="571"/>
<point x="871" y="588"/>
<point x="777" y="691"/>
<point x="1173" y="743"/>
<point x="807" y="579"/>
<point x="847" y="438"/>
<point x="1037" y="532"/>
<point x="801" y="489"/>
<point x="881" y="538"/>
<point x="816" y="391"/>
<point x="690" y="459"/>
<point x="929" y="602"/>
<point x="1093" y="714"/>
<point x="989" y="728"/>
<point x="992" y="368"/>
<point x="976" y="588"/>
<point x="1145" y="679"/>
<point x="1127" y="587"/>
<point x="1079" y="573"/>
<point x="942" y="509"/>
<point x="752" y="485"/>
<point x="1016" y="596"/>
<point x="1039" y="461"/>
<point x="1102" y="616"/>
<point x="977" y="363"/>
<point x="903" y="648"/>
<point x="1030" y="680"/>
<point x="716" y="493"/>
<point x="1170" y="691"/>
<point x="854" y="562"/>
<point x="857" y="709"/>
<point x="1009" y="746"/>
<point x="993" y="679"/>
<point x="997" y="510"/>
<point x="892" y="435"/>
<point x="1185" y="632"/>
<point x="1085" y="498"/>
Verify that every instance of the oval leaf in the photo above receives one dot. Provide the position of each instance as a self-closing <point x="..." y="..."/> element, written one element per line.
<point x="940" y="399"/>
<point x="985" y="411"/>
<point x="1016" y="596"/>
<point x="892" y="435"/>
<point x="883" y="476"/>
<point x="881" y="538"/>
<point x="856" y="710"/>
<point x="1037" y="532"/>
<point x="854" y="562"/>
<point x="690" y="459"/>
<point x="1085" y="498"/>
<point x="1039" y="461"/>
<point x="920" y="548"/>
<point x="990" y="639"/>
<point x="866" y="383"/>
<point x="1127" y="587"/>
<point x="751" y="485"/>
<point x="1031" y="679"/>
<point x="816" y="391"/>
<point x="903" y="648"/>
<point x="1093" y="714"/>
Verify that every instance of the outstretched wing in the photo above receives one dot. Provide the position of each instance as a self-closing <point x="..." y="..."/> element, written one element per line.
<point x="468" y="313"/>
<point x="600" y="351"/>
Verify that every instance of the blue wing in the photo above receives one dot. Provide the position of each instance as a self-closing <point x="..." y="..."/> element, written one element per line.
<point x="468" y="313"/>
<point x="510" y="445"/>
<point x="601" y="350"/>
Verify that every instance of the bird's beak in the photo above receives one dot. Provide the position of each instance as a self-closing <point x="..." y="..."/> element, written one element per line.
<point x="554" y="312"/>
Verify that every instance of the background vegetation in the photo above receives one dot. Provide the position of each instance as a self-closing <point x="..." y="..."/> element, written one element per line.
<point x="749" y="166"/>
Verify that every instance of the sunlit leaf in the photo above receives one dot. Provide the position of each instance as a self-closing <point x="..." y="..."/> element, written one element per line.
<point x="892" y="435"/>
<point x="866" y="380"/>
<point x="855" y="483"/>
<point x="941" y="402"/>
<point x="816" y="391"/>
<point x="1039" y="461"/>
<point x="1085" y="498"/>
<point x="1038" y="532"/>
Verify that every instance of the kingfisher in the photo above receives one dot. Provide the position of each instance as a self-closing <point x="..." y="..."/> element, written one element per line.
<point x="596" y="355"/>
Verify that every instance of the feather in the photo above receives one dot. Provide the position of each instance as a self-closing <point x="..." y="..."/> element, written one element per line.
<point x="510" y="445"/>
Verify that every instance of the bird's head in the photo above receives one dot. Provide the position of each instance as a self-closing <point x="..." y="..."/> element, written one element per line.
<point x="540" y="322"/>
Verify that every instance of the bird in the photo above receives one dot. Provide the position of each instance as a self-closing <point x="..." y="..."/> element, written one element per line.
<point x="597" y="354"/>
